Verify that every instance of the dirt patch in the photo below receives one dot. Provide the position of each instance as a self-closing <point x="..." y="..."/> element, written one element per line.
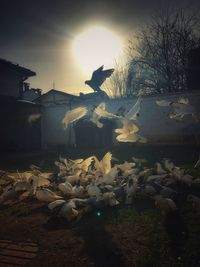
<point x="123" y="236"/>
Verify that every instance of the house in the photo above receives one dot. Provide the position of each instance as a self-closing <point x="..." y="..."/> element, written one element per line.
<point x="12" y="78"/>
<point x="55" y="97"/>
<point x="17" y="134"/>
<point x="31" y="94"/>
<point x="16" y="131"/>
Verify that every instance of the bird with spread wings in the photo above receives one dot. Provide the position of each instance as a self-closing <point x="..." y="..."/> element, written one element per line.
<point x="98" y="78"/>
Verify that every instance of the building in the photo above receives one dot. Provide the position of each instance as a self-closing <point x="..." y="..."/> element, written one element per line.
<point x="12" y="78"/>
<point x="17" y="133"/>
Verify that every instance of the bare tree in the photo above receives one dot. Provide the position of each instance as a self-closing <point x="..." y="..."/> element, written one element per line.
<point x="158" y="55"/>
<point x="116" y="85"/>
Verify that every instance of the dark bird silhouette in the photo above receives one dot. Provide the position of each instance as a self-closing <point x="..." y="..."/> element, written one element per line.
<point x="98" y="78"/>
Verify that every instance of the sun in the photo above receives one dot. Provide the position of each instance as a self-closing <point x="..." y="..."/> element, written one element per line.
<point x="96" y="46"/>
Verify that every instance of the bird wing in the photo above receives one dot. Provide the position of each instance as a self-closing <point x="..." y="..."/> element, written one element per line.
<point x="95" y="119"/>
<point x="97" y="163"/>
<point x="106" y="162"/>
<point x="130" y="126"/>
<point x="134" y="110"/>
<point x="127" y="138"/>
<point x="100" y="75"/>
<point x="86" y="163"/>
<point x="101" y="112"/>
<point x="74" y="115"/>
<point x="96" y="72"/>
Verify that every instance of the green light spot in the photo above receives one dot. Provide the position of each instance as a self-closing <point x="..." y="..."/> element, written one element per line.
<point x="98" y="213"/>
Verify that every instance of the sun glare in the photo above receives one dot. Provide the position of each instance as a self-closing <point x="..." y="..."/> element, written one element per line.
<point x="95" y="47"/>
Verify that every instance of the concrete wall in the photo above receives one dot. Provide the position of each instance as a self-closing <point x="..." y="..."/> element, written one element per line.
<point x="153" y="121"/>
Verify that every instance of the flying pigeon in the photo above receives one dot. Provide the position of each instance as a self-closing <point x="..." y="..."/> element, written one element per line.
<point x="181" y="108"/>
<point x="98" y="78"/>
<point x="73" y="115"/>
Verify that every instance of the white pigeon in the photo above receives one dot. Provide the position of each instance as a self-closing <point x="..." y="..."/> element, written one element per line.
<point x="163" y="103"/>
<point x="128" y="133"/>
<point x="178" y="173"/>
<point x="131" y="188"/>
<point x="72" y="179"/>
<point x="181" y="108"/>
<point x="65" y="188"/>
<point x="69" y="211"/>
<point x="66" y="163"/>
<point x="95" y="119"/>
<point x="34" y="117"/>
<point x="164" y="204"/>
<point x="100" y="110"/>
<point x="22" y="185"/>
<point x="9" y="193"/>
<point x="38" y="181"/>
<point x="73" y="115"/>
<point x="93" y="190"/>
<point x="78" y="190"/>
<point x="126" y="166"/>
<point x="186" y="179"/>
<point x="159" y="168"/>
<point x="139" y="161"/>
<point x="83" y="165"/>
<point x="76" y="161"/>
<point x="133" y="113"/>
<point x="129" y="126"/>
<point x="158" y="177"/>
<point x="56" y="203"/>
<point x="132" y="137"/>
<point x="109" y="199"/>
<point x="105" y="164"/>
<point x="46" y="195"/>
<point x="168" y="165"/>
<point x="109" y="177"/>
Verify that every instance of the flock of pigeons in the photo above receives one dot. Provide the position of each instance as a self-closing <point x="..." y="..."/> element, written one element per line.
<point x="129" y="130"/>
<point x="180" y="108"/>
<point x="83" y="185"/>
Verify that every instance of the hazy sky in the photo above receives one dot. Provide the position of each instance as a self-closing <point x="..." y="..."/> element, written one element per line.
<point x="38" y="34"/>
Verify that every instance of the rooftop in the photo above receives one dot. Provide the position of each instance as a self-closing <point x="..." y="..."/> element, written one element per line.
<point x="16" y="67"/>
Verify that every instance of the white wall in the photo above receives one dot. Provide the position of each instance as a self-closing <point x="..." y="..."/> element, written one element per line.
<point x="153" y="121"/>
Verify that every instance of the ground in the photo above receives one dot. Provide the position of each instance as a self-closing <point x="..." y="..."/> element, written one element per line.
<point x="134" y="235"/>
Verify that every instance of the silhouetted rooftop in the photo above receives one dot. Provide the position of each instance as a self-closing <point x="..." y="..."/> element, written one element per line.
<point x="16" y="67"/>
